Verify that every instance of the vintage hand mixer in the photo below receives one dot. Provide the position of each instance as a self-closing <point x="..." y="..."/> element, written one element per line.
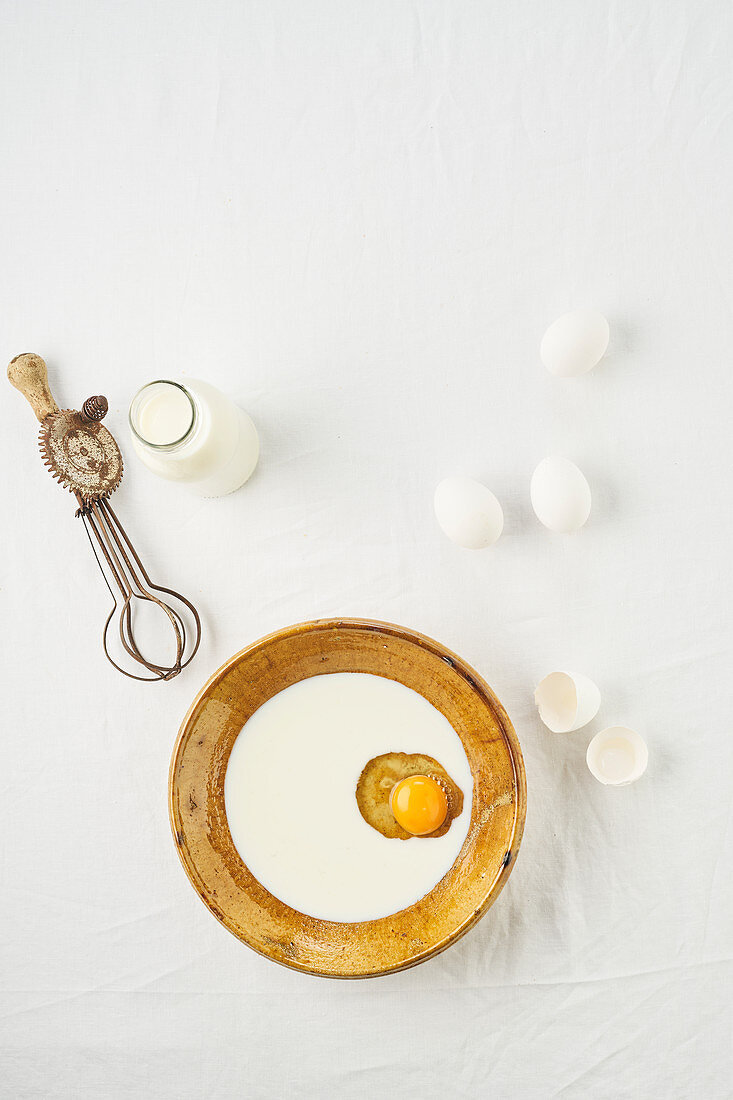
<point x="84" y="457"/>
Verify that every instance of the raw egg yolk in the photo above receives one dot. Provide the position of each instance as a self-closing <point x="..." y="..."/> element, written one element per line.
<point x="418" y="804"/>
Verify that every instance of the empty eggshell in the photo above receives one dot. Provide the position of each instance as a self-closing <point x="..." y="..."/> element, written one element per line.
<point x="567" y="701"/>
<point x="560" y="495"/>
<point x="575" y="342"/>
<point x="617" y="756"/>
<point x="468" y="512"/>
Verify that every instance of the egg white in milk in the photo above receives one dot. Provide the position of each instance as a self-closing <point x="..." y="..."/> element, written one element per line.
<point x="290" y="796"/>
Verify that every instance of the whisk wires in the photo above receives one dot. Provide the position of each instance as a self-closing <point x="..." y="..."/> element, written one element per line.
<point x="127" y="580"/>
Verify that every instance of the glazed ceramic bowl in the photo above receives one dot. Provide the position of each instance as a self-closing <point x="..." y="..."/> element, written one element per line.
<point x="230" y="890"/>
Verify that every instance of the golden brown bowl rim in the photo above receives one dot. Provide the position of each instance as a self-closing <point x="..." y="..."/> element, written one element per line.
<point x="281" y="950"/>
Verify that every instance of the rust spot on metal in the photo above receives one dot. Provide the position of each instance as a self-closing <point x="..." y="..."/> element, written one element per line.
<point x="95" y="408"/>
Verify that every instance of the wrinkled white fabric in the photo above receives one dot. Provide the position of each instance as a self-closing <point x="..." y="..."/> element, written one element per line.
<point x="358" y="218"/>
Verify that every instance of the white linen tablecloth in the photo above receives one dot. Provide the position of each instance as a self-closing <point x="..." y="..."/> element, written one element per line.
<point x="357" y="218"/>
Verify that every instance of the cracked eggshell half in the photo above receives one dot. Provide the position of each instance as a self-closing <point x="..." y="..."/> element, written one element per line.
<point x="566" y="701"/>
<point x="617" y="756"/>
<point x="468" y="512"/>
<point x="560" y="494"/>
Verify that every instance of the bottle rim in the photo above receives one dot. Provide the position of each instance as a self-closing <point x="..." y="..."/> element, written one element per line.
<point x="135" y="405"/>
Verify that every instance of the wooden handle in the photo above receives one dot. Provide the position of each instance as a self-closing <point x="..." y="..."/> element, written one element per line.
<point x="27" y="372"/>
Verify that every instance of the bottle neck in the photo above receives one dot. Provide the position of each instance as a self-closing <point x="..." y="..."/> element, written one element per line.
<point x="163" y="416"/>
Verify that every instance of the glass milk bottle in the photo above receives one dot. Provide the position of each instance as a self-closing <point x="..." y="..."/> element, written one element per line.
<point x="192" y="433"/>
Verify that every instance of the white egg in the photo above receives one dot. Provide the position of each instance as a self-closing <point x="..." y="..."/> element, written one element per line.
<point x="560" y="495"/>
<point x="575" y="342"/>
<point x="468" y="512"/>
